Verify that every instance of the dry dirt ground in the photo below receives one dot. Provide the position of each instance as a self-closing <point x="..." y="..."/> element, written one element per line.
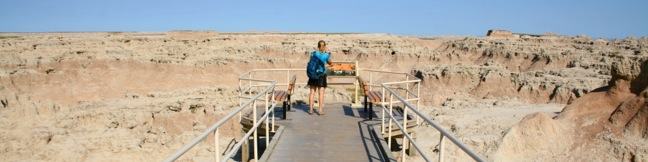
<point x="139" y="96"/>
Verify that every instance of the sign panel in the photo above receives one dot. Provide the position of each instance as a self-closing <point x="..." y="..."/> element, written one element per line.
<point x="342" y="69"/>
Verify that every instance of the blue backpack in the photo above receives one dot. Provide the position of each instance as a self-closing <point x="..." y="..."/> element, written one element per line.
<point x="315" y="67"/>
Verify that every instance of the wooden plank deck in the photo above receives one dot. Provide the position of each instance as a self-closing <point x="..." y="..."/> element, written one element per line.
<point x="342" y="134"/>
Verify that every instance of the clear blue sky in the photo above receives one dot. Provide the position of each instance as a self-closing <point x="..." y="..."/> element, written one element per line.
<point x="597" y="18"/>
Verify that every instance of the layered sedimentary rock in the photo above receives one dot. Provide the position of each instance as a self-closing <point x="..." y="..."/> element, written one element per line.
<point x="609" y="123"/>
<point x="141" y="95"/>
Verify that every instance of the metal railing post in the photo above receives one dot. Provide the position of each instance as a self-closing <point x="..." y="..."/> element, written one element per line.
<point x="371" y="81"/>
<point x="273" y="112"/>
<point x="215" y="128"/>
<point x="250" y="81"/>
<point x="441" y="148"/>
<point x="407" y="142"/>
<point x="383" y="94"/>
<point x="240" y="92"/>
<point x="250" y="84"/>
<point x="254" y="121"/>
<point x="443" y="132"/>
<point x="240" y="99"/>
<point x="418" y="95"/>
<point x="407" y="87"/>
<point x="404" y="132"/>
<point x="249" y="93"/>
<point x="267" y="121"/>
<point x="216" y="144"/>
<point x="391" y="106"/>
<point x="356" y="85"/>
<point x="382" y="119"/>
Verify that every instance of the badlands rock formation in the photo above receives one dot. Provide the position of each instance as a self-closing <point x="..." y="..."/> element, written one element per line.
<point x="139" y="96"/>
<point x="613" y="117"/>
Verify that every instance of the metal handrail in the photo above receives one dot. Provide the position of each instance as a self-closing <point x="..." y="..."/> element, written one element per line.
<point x="249" y="86"/>
<point x="214" y="127"/>
<point x="271" y="85"/>
<point x="255" y="80"/>
<point x="409" y="137"/>
<point x="248" y="75"/>
<point x="281" y="69"/>
<point x="408" y="75"/>
<point x="383" y="71"/>
<point x="247" y="135"/>
<point x="372" y="71"/>
<point x="436" y="126"/>
<point x="408" y="91"/>
<point x="400" y="82"/>
<point x="257" y="70"/>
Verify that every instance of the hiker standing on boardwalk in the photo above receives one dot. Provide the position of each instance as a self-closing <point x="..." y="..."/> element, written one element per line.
<point x="316" y="71"/>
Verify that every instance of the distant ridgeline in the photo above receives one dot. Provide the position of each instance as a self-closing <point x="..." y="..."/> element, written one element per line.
<point x="499" y="33"/>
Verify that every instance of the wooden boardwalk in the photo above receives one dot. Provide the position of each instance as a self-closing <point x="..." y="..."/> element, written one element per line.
<point x="342" y="134"/>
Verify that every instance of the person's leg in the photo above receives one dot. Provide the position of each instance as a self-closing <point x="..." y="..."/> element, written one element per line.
<point x="311" y="98"/>
<point x="321" y="100"/>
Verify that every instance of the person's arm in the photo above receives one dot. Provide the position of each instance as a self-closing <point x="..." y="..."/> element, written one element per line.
<point x="329" y="62"/>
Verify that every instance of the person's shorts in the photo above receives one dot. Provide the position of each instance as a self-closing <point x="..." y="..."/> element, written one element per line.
<point x="317" y="82"/>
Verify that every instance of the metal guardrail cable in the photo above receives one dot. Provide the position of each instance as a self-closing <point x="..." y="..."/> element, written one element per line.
<point x="436" y="126"/>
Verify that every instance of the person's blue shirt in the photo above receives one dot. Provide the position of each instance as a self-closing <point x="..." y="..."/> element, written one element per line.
<point x="323" y="56"/>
